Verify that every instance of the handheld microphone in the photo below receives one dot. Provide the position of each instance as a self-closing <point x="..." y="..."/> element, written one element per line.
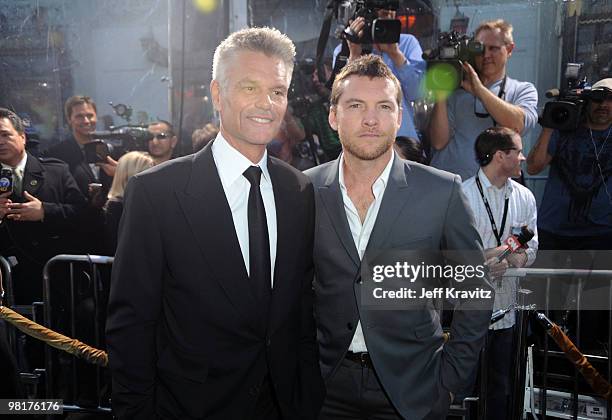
<point x="513" y="243"/>
<point x="500" y="313"/>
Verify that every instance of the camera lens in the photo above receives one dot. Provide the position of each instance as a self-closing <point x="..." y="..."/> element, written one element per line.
<point x="561" y="116"/>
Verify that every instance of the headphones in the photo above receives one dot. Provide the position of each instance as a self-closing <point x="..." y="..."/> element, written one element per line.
<point x="485" y="159"/>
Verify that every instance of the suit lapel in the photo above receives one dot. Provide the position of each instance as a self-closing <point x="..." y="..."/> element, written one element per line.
<point x="208" y="213"/>
<point x="331" y="197"/>
<point x="398" y="193"/>
<point x="33" y="176"/>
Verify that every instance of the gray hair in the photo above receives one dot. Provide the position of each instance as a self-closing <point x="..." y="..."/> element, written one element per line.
<point x="268" y="41"/>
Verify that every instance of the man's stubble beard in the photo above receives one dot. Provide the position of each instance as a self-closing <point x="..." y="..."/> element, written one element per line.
<point x="362" y="154"/>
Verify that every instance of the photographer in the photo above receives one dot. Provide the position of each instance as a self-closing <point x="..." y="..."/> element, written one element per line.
<point x="405" y="60"/>
<point x="81" y="114"/>
<point x="161" y="146"/>
<point x="487" y="97"/>
<point x="37" y="214"/>
<point x="576" y="209"/>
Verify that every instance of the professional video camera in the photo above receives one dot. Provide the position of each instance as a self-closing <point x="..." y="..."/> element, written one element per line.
<point x="302" y="93"/>
<point x="379" y="31"/>
<point x="565" y="112"/>
<point x="117" y="140"/>
<point x="444" y="63"/>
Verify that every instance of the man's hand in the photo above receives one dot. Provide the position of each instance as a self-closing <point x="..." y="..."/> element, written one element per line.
<point x="496" y="269"/>
<point x="5" y="201"/>
<point x="109" y="167"/>
<point x="394" y="52"/>
<point x="518" y="258"/>
<point x="471" y="82"/>
<point x="355" y="28"/>
<point x="30" y="211"/>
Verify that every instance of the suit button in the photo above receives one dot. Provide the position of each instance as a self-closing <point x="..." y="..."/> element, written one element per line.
<point x="254" y="391"/>
<point x="349" y="325"/>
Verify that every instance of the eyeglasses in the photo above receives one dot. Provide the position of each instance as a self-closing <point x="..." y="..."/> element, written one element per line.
<point x="509" y="149"/>
<point x="161" y="136"/>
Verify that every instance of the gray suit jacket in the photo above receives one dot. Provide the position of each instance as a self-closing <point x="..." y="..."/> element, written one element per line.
<point x="424" y="209"/>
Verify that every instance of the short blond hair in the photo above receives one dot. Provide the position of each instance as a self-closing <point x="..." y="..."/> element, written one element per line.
<point x="369" y="65"/>
<point x="497" y="24"/>
<point x="268" y="41"/>
<point x="128" y="165"/>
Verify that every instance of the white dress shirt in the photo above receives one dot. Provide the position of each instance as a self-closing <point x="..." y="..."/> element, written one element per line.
<point x="231" y="164"/>
<point x="521" y="211"/>
<point x="361" y="232"/>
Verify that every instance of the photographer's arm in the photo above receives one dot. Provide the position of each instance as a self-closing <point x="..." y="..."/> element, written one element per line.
<point x="356" y="27"/>
<point x="439" y="129"/>
<point x="109" y="167"/>
<point x="538" y="157"/>
<point x="504" y="113"/>
<point x="407" y="64"/>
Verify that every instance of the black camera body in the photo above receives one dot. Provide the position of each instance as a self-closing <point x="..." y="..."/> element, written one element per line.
<point x="445" y="63"/>
<point x="379" y="31"/>
<point x="116" y="142"/>
<point x="302" y="93"/>
<point x="565" y="113"/>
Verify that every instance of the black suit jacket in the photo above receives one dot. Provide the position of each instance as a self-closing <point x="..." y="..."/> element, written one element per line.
<point x="33" y="243"/>
<point x="70" y="152"/>
<point x="92" y="239"/>
<point x="183" y="331"/>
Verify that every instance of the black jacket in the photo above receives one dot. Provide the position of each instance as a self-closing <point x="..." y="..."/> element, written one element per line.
<point x="70" y="152"/>
<point x="33" y="243"/>
<point x="91" y="221"/>
<point x="184" y="332"/>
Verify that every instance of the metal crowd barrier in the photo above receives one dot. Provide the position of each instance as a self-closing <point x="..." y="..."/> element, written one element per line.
<point x="576" y="400"/>
<point x="8" y="299"/>
<point x="30" y="379"/>
<point x="91" y="280"/>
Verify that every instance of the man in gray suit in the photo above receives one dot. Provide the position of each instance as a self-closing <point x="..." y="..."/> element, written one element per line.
<point x="388" y="364"/>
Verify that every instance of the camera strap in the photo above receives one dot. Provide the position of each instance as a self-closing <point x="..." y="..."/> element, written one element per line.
<point x="501" y="94"/>
<point x="341" y="60"/>
<point x="324" y="34"/>
<point x="490" y="213"/>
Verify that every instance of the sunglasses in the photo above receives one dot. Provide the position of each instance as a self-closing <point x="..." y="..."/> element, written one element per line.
<point x="599" y="99"/>
<point x="598" y="95"/>
<point x="161" y="136"/>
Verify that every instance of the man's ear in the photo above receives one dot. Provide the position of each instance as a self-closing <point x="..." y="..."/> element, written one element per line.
<point x="332" y="118"/>
<point x="499" y="155"/>
<point x="510" y="48"/>
<point x="215" y="93"/>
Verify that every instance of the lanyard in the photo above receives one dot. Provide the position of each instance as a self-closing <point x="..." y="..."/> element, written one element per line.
<point x="490" y="213"/>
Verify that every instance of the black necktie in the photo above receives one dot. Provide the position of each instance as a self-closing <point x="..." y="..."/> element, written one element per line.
<point x="259" y="242"/>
